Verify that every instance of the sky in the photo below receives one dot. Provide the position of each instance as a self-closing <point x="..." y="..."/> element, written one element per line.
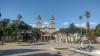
<point x="64" y="11"/>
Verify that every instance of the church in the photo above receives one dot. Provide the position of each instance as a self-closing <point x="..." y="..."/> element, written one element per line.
<point x="47" y="29"/>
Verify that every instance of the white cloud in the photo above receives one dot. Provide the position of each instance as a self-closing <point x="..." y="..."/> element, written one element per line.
<point x="92" y="25"/>
<point x="81" y="25"/>
<point x="33" y="25"/>
<point x="57" y="29"/>
<point x="46" y="23"/>
<point x="66" y="23"/>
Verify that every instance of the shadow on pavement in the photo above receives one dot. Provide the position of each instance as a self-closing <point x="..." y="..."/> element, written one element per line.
<point x="17" y="51"/>
<point x="42" y="54"/>
<point x="41" y="43"/>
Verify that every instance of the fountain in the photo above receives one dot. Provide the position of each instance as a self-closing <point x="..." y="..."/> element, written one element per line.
<point x="87" y="48"/>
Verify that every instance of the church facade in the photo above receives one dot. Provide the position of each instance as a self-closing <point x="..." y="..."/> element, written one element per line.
<point x="47" y="29"/>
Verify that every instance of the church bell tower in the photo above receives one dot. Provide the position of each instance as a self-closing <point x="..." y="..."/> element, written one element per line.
<point x="38" y="22"/>
<point x="52" y="25"/>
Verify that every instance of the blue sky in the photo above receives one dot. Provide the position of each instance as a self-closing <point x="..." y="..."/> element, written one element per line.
<point x="64" y="11"/>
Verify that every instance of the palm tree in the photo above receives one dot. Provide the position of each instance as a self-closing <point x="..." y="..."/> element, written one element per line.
<point x="90" y="34"/>
<point x="80" y="17"/>
<point x="0" y="14"/>
<point x="87" y="15"/>
<point x="19" y="17"/>
<point x="88" y="31"/>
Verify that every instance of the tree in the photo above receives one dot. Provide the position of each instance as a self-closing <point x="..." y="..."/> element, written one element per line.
<point x="89" y="32"/>
<point x="37" y="33"/>
<point x="20" y="28"/>
<point x="72" y="29"/>
<point x="4" y="30"/>
<point x="88" y="14"/>
<point x="9" y="29"/>
<point x="63" y="30"/>
<point x="97" y="30"/>
<point x="19" y="17"/>
<point x="0" y="14"/>
<point x="80" y="17"/>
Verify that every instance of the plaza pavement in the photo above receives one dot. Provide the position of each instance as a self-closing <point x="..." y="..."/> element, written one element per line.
<point x="38" y="49"/>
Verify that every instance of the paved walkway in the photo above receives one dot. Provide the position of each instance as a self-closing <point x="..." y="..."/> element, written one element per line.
<point x="38" y="49"/>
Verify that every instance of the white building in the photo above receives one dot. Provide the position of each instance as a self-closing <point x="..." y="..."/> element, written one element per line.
<point x="62" y="37"/>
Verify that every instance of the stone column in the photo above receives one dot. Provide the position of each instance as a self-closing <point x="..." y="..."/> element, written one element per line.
<point x="50" y="37"/>
<point x="47" y="38"/>
<point x="41" y="38"/>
